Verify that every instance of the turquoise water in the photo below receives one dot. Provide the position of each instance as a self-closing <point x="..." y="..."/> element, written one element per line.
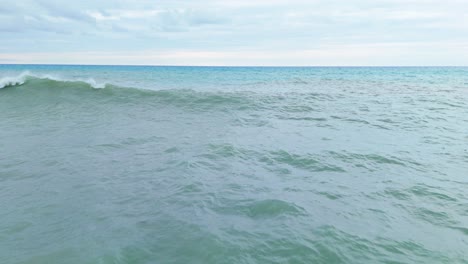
<point x="117" y="164"/>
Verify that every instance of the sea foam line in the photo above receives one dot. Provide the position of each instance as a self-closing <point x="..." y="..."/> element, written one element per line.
<point x="24" y="76"/>
<point x="14" y="81"/>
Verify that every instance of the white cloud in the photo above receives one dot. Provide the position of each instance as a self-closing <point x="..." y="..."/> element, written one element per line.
<point x="235" y="32"/>
<point x="373" y="54"/>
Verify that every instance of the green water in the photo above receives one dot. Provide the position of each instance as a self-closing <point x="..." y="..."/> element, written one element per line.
<point x="233" y="165"/>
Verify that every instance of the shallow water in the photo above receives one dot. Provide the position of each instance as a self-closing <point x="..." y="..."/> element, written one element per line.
<point x="117" y="164"/>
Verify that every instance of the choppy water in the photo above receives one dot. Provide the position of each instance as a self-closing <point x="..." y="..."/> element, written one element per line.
<point x="233" y="165"/>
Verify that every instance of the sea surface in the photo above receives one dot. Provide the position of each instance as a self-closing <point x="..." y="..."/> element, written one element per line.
<point x="122" y="164"/>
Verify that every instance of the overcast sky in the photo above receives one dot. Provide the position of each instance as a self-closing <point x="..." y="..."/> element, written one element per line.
<point x="241" y="32"/>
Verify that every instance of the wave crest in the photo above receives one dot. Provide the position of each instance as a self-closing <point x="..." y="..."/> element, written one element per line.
<point x="27" y="76"/>
<point x="13" y="81"/>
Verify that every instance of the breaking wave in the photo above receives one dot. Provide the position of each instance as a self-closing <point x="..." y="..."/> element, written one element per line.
<point x="28" y="76"/>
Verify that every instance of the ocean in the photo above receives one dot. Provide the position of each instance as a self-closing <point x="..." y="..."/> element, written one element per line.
<point x="140" y="164"/>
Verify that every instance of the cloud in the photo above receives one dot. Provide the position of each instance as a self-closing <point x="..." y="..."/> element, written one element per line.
<point x="373" y="54"/>
<point x="241" y="28"/>
<point x="62" y="12"/>
<point x="159" y="20"/>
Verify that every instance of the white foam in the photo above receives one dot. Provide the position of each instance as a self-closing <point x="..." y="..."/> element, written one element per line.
<point x="13" y="81"/>
<point x="23" y="77"/>
<point x="95" y="84"/>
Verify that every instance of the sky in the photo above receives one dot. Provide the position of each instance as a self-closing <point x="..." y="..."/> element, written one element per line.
<point x="241" y="32"/>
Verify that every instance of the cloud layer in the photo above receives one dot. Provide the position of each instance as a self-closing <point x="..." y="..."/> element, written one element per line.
<point x="209" y="32"/>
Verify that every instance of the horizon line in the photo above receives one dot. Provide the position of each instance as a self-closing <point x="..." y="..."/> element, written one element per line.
<point x="241" y="66"/>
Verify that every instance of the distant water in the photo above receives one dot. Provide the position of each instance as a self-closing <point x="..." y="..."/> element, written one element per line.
<point x="107" y="164"/>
